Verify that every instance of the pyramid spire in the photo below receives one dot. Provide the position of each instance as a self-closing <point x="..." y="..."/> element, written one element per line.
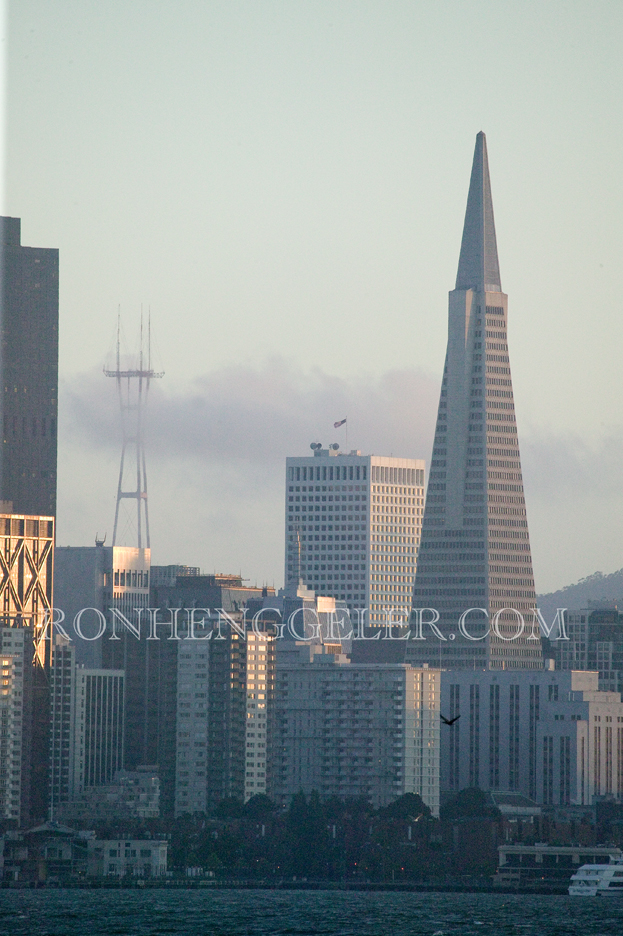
<point x="474" y="551"/>
<point x="479" y="268"/>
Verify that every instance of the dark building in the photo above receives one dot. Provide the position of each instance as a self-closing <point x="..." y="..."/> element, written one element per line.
<point x="150" y="667"/>
<point x="29" y="373"/>
<point x="595" y="643"/>
<point x="475" y="546"/>
<point x="189" y="590"/>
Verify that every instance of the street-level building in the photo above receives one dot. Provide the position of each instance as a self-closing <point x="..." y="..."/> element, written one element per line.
<point x="146" y="858"/>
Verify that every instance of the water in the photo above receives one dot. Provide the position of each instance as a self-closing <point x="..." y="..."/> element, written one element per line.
<point x="300" y="913"/>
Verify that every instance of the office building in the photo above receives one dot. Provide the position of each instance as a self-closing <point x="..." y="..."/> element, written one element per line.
<point x="29" y="373"/>
<point x="27" y="564"/>
<point x="27" y="559"/>
<point x="552" y="736"/>
<point x="353" y="527"/>
<point x="99" y="578"/>
<point x="475" y="548"/>
<point x="351" y="730"/>
<point x="595" y="643"/>
<point x="300" y="614"/>
<point x="187" y="589"/>
<point x="167" y="576"/>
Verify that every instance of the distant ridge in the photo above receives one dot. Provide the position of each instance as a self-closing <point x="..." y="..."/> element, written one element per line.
<point x="592" y="588"/>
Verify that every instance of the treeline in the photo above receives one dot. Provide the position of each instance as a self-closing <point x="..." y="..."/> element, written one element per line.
<point x="333" y="839"/>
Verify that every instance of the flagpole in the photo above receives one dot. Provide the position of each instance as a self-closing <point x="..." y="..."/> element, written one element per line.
<point x="346" y="433"/>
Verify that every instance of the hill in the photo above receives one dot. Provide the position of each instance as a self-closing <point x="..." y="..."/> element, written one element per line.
<point x="595" y="587"/>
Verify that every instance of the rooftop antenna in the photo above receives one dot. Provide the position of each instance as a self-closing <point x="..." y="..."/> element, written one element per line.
<point x="133" y="388"/>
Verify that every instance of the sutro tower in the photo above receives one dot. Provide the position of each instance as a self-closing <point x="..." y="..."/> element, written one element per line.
<point x="133" y="387"/>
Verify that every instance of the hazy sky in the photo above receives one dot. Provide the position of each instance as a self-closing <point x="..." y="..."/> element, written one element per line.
<point x="284" y="184"/>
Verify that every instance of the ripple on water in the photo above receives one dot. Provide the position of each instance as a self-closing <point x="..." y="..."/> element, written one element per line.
<point x="298" y="913"/>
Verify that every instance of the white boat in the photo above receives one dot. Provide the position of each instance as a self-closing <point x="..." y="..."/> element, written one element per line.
<point x="598" y="880"/>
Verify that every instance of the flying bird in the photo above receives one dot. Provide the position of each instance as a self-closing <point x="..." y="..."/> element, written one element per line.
<point x="449" y="721"/>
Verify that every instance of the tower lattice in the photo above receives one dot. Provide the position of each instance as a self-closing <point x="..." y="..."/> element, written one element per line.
<point x="133" y="387"/>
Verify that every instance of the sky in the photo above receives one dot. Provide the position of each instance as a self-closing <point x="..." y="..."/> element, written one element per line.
<point x="282" y="185"/>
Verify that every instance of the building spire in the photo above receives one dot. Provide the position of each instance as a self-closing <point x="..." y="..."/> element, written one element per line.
<point x="479" y="268"/>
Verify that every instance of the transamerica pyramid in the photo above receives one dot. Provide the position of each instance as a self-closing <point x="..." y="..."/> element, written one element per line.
<point x="475" y="547"/>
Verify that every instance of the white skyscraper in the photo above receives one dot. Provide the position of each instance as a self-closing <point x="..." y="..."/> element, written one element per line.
<point x="353" y="527"/>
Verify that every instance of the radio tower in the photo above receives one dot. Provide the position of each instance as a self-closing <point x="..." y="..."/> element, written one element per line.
<point x="133" y="387"/>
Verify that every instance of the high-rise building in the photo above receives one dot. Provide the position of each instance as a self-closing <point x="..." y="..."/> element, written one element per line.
<point x="349" y="730"/>
<point x="28" y="372"/>
<point x="549" y="735"/>
<point x="595" y="643"/>
<point x="225" y="686"/>
<point x="353" y="527"/>
<point x="12" y="739"/>
<point x="185" y="588"/>
<point x="26" y="561"/>
<point x="92" y="580"/>
<point x="87" y="708"/>
<point x="475" y="548"/>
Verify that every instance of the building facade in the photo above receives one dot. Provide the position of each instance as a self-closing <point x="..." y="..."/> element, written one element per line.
<point x="27" y="565"/>
<point x="595" y="643"/>
<point x="354" y="730"/>
<point x="29" y="372"/>
<point x="353" y="527"/>
<point x="225" y="687"/>
<point x="27" y="568"/>
<point x="475" y="549"/>
<point x="87" y="725"/>
<point x="12" y="739"/>
<point x="145" y="858"/>
<point x="133" y="795"/>
<point x="88" y="582"/>
<point x="552" y="736"/>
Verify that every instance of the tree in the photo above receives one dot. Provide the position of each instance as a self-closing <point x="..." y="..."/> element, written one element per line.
<point x="470" y="803"/>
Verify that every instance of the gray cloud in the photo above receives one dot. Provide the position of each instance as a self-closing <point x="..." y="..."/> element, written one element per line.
<point x="262" y="414"/>
<point x="216" y="451"/>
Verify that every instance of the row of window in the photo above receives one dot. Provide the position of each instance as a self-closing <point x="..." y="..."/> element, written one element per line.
<point x="35" y="427"/>
<point x="329" y="473"/>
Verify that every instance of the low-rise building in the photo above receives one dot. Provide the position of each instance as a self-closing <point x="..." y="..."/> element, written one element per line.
<point x="548" y="865"/>
<point x="134" y="794"/>
<point x="146" y="858"/>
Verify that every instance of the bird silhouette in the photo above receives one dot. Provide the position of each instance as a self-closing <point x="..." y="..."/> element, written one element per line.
<point x="449" y="721"/>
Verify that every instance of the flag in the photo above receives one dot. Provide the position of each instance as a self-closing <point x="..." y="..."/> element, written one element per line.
<point x="338" y="424"/>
